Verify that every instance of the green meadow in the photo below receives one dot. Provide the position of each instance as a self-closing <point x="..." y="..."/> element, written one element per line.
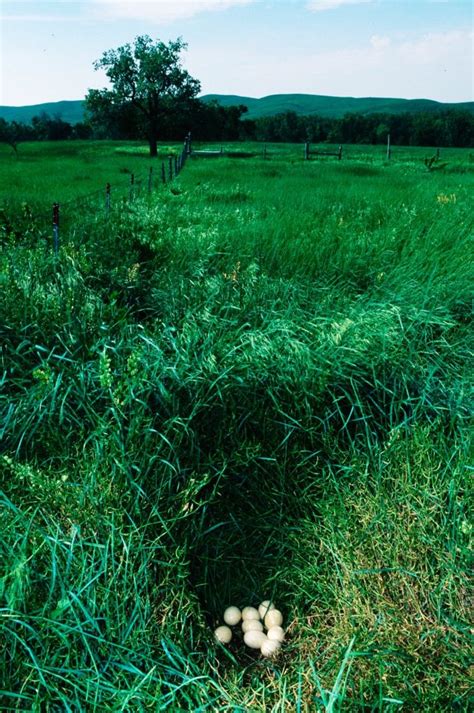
<point x="252" y="382"/>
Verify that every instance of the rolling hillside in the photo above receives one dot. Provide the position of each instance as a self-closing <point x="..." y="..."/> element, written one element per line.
<point x="331" y="106"/>
<point x="73" y="111"/>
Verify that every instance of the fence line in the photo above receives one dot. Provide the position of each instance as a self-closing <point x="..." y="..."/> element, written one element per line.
<point x="106" y="195"/>
<point x="308" y="153"/>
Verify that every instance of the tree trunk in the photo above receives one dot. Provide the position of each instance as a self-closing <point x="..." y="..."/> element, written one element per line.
<point x="153" y="145"/>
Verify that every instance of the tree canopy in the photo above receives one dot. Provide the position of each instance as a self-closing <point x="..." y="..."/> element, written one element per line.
<point x="148" y="81"/>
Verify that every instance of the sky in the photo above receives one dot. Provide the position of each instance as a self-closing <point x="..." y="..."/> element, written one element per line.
<point x="379" y="48"/>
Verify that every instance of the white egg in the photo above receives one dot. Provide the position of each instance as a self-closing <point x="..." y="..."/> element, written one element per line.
<point x="276" y="633"/>
<point x="232" y="616"/>
<point x="269" y="648"/>
<point x="265" y="607"/>
<point x="250" y="613"/>
<point x="273" y="618"/>
<point x="251" y="625"/>
<point x="254" y="639"/>
<point x="223" y="634"/>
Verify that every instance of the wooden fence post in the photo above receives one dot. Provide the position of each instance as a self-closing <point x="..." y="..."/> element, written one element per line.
<point x="306" y="151"/>
<point x="55" y="228"/>
<point x="170" y="168"/>
<point x="340" y="153"/>
<point x="389" y="150"/>
<point x="107" y="197"/>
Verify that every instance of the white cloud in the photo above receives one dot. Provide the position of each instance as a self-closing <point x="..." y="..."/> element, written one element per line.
<point x="434" y="66"/>
<point x="38" y="18"/>
<point x="437" y="47"/>
<point x="380" y="42"/>
<point x="320" y="5"/>
<point x="162" y="11"/>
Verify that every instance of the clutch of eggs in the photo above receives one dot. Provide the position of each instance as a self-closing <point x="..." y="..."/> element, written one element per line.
<point x="253" y="622"/>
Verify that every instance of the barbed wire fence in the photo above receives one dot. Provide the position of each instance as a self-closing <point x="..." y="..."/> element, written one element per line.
<point x="100" y="202"/>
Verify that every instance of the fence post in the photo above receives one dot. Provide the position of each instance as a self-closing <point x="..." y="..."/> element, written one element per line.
<point x="437" y="154"/>
<point x="306" y="151"/>
<point x="170" y="168"/>
<point x="107" y="197"/>
<point x="389" y="150"/>
<point x="132" y="185"/>
<point x="55" y="228"/>
<point x="163" y="172"/>
<point x="150" y="179"/>
<point x="176" y="166"/>
<point x="188" y="142"/>
<point x="340" y="153"/>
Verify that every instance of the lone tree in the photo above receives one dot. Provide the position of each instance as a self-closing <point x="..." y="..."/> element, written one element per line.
<point x="147" y="76"/>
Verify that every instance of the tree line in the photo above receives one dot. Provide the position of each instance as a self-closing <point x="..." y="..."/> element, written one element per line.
<point x="450" y="128"/>
<point x="207" y="121"/>
<point x="213" y="122"/>
<point x="42" y="128"/>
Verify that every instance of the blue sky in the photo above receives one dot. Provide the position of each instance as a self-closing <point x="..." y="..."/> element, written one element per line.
<point x="395" y="48"/>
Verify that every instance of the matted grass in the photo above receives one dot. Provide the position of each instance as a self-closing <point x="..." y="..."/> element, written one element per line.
<point x="252" y="383"/>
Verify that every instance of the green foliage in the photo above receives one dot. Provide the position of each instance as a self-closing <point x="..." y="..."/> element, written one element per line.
<point x="441" y="128"/>
<point x="252" y="383"/>
<point x="147" y="81"/>
<point x="13" y="133"/>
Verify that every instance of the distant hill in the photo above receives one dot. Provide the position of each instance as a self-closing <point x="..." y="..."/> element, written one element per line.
<point x="73" y="111"/>
<point x="330" y="106"/>
<point x="70" y="111"/>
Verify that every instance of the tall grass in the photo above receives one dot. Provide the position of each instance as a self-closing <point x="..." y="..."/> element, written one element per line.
<point x="253" y="383"/>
